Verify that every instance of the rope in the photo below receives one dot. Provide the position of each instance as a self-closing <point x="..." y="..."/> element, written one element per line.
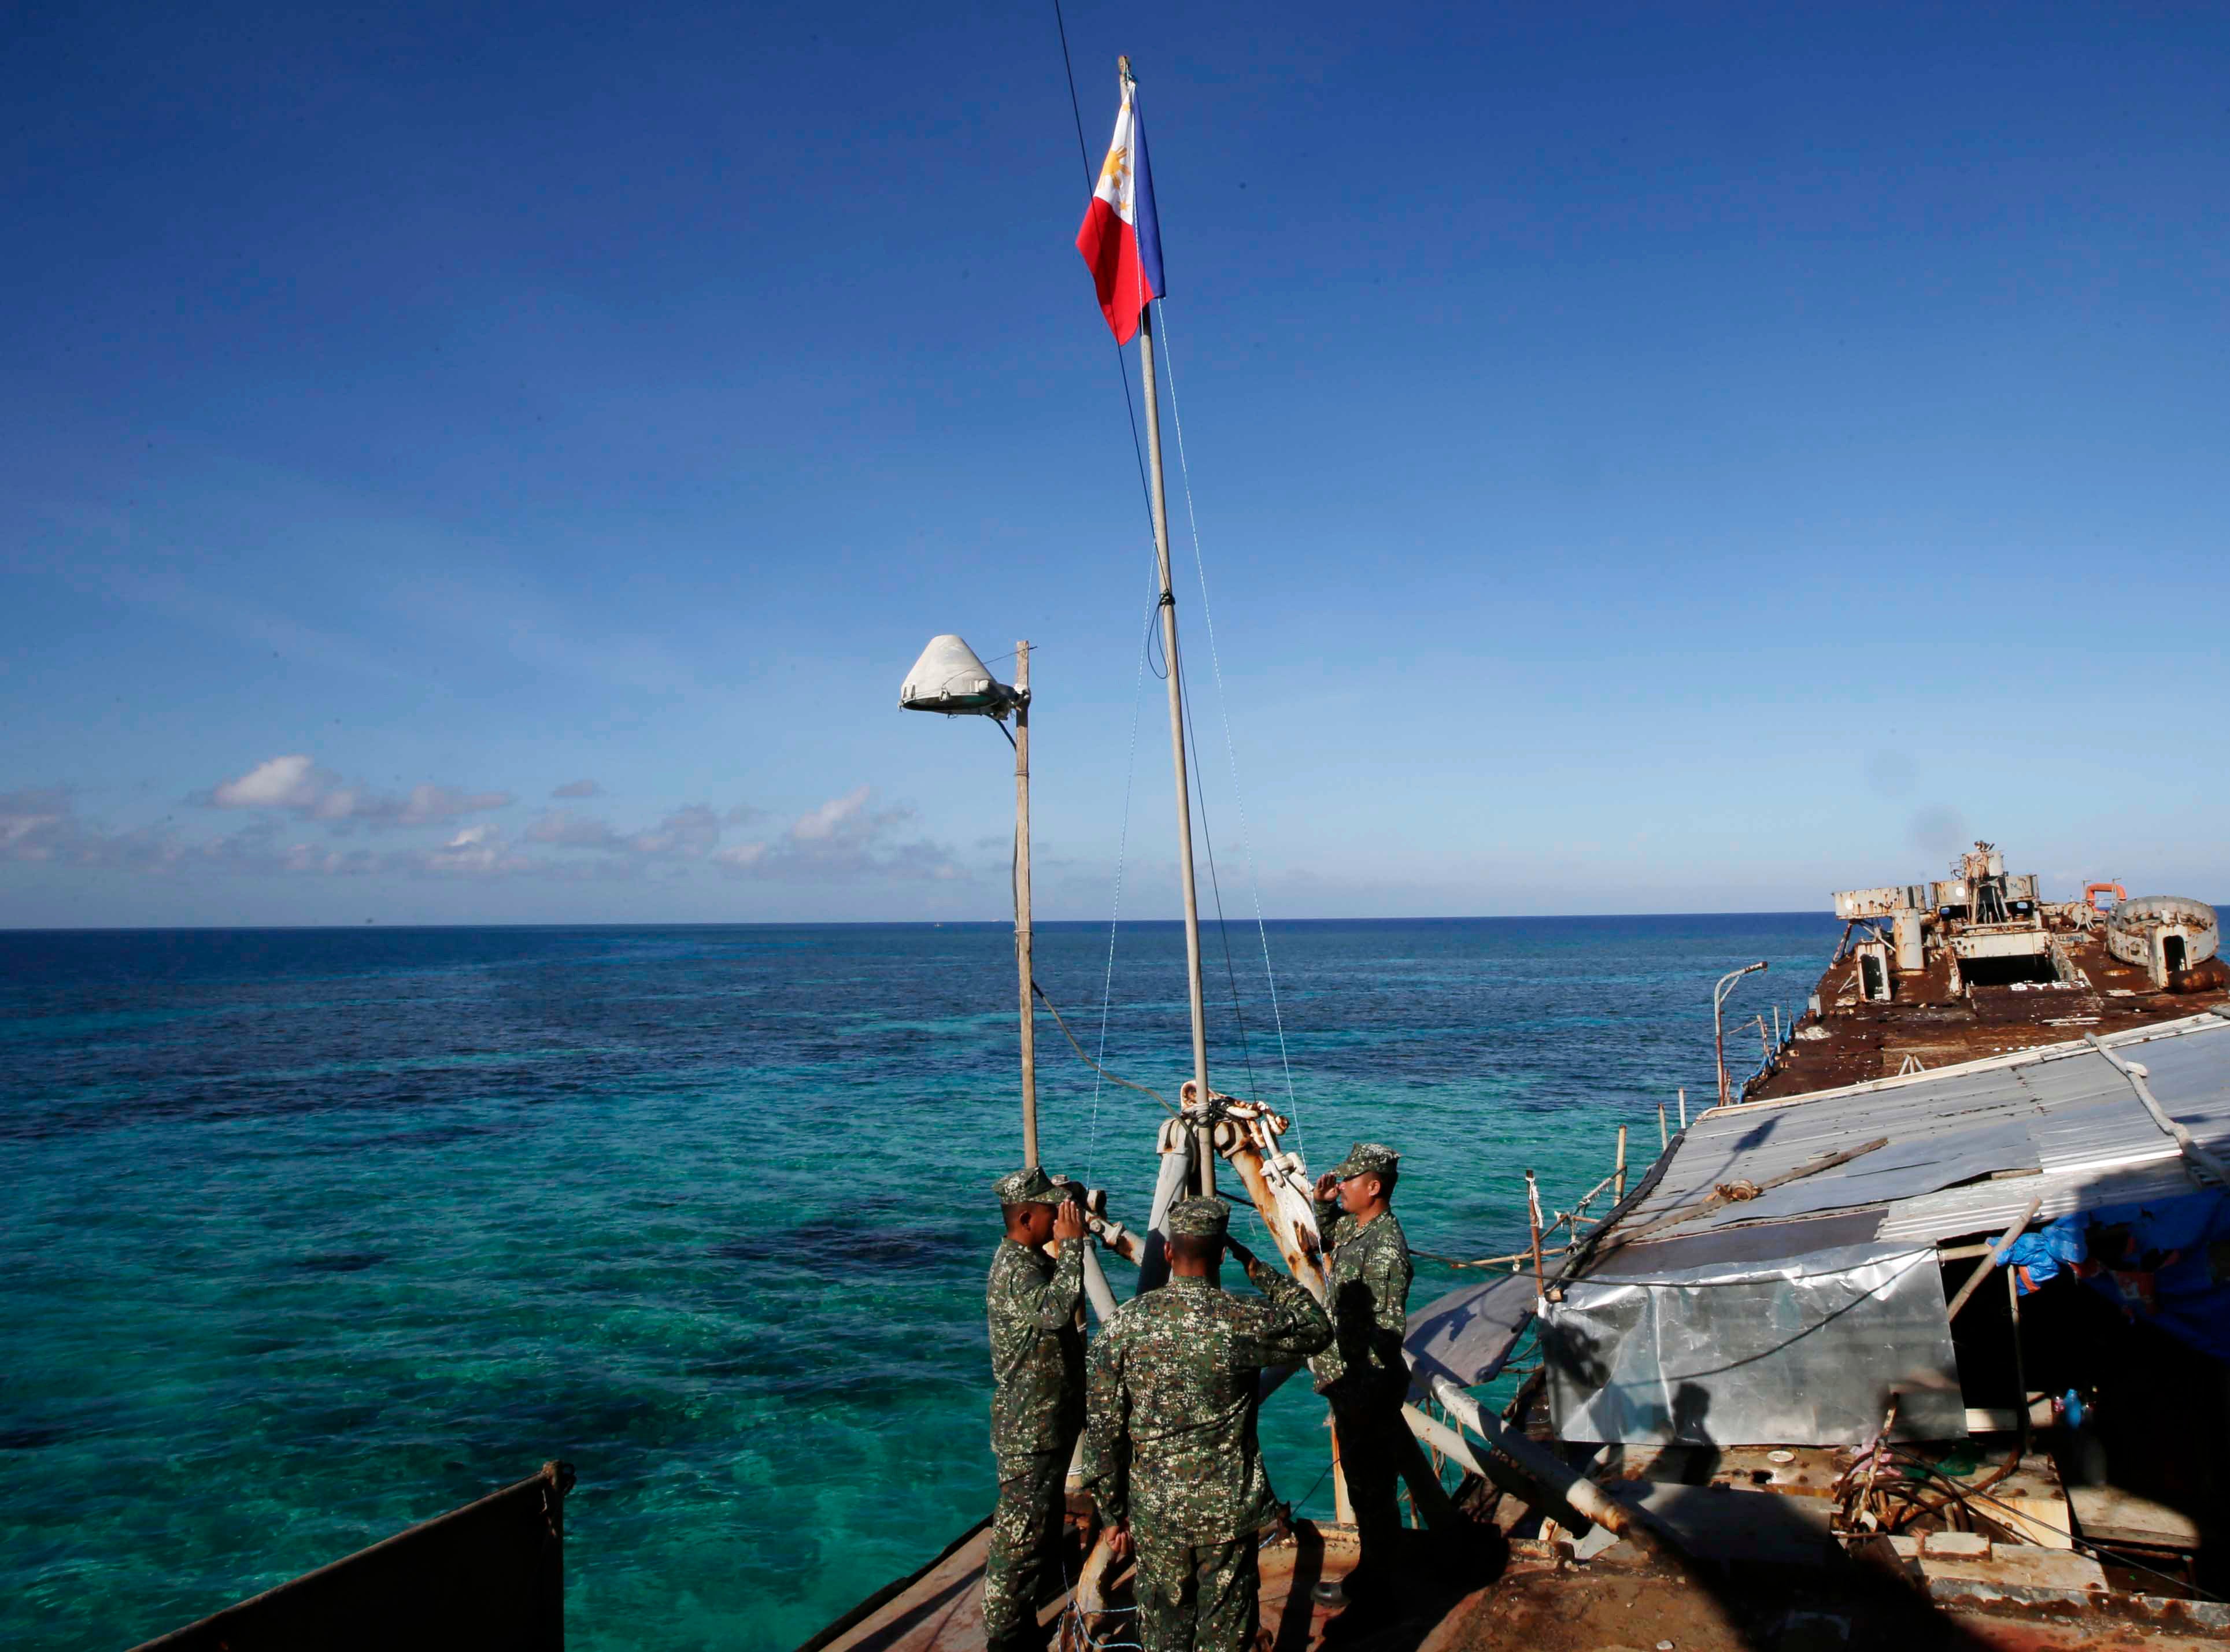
<point x="1115" y="917"/>
<point x="1115" y="1079"/>
<point x="1231" y="752"/>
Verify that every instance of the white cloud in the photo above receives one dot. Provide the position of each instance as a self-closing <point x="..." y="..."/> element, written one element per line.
<point x="579" y="788"/>
<point x="570" y="831"/>
<point x="281" y="783"/>
<point x="691" y="834"/>
<point x="817" y="825"/>
<point x="296" y="784"/>
<point x="687" y="834"/>
<point x="843" y="840"/>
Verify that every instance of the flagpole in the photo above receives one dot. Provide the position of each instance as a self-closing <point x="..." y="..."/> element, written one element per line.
<point x="1205" y="1157"/>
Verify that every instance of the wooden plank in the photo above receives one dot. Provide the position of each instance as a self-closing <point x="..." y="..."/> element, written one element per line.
<point x="2109" y="1515"/>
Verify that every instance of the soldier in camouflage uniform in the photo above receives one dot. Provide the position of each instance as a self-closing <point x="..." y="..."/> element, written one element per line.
<point x="1363" y="1374"/>
<point x="1169" y="1450"/>
<point x="1037" y="1395"/>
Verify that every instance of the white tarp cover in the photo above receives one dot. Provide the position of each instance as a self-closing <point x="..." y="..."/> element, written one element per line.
<point x="1803" y="1350"/>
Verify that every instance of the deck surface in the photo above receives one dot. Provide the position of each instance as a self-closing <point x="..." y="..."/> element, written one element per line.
<point x="1852" y="1041"/>
<point x="1536" y="1600"/>
<point x="942" y="1610"/>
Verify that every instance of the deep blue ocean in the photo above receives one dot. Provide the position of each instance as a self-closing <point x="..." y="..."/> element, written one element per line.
<point x="310" y="1234"/>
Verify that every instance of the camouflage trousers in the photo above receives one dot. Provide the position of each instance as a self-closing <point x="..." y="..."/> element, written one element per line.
<point x="1025" y="1537"/>
<point x="1373" y="1440"/>
<point x="1198" y="1596"/>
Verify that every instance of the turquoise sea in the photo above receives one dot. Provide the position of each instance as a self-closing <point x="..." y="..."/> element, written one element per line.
<point x="310" y="1234"/>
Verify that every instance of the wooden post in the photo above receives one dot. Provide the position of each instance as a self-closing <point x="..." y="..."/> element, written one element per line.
<point x="1990" y="1258"/>
<point x="1022" y="903"/>
<point x="1684" y="1106"/>
<point x="1618" y="1186"/>
<point x="1533" y="1217"/>
<point x="1664" y="1135"/>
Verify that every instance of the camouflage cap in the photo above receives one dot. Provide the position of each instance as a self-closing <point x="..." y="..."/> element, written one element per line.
<point x="1365" y="1158"/>
<point x="1205" y="1218"/>
<point x="1028" y="1187"/>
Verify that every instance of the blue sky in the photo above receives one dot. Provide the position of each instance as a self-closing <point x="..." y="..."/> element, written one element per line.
<point x="1684" y="459"/>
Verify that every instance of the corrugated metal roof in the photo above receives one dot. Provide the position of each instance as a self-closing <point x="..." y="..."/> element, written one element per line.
<point x="1967" y="1146"/>
<point x="1990" y="1206"/>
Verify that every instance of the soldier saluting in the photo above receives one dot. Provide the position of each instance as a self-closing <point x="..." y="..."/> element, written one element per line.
<point x="1171" y="1455"/>
<point x="1364" y="1372"/>
<point x="1037" y="1395"/>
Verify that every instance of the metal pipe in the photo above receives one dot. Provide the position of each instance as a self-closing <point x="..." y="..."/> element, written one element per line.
<point x="1718" y="1035"/>
<point x="1684" y="1106"/>
<point x="1204" y="1160"/>
<point x="1096" y="1289"/>
<point x="1022" y="942"/>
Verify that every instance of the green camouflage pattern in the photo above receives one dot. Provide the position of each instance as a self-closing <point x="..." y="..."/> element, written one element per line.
<point x="1365" y="1157"/>
<point x="1373" y="1443"/>
<point x="1367" y="1276"/>
<point x="1199" y="1596"/>
<point x="1025" y="1531"/>
<point x="1037" y="1350"/>
<point x="1170" y="1443"/>
<point x="1200" y="1218"/>
<point x="1030" y="1186"/>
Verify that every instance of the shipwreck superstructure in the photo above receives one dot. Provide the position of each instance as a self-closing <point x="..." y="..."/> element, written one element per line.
<point x="1978" y="963"/>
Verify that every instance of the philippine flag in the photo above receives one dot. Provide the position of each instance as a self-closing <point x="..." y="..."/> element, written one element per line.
<point x="1120" y="238"/>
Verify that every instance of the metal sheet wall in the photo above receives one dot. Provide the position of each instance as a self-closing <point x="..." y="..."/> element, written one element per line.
<point x="1803" y="1353"/>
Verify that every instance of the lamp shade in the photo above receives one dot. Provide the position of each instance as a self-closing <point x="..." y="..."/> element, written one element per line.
<point x="949" y="677"/>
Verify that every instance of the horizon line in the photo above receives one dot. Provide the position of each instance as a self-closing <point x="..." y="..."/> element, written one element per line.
<point x="874" y="923"/>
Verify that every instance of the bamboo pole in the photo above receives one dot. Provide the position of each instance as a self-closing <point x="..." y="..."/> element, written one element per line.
<point x="1022" y="938"/>
<point x="1983" y="1268"/>
<point x="1618" y="1188"/>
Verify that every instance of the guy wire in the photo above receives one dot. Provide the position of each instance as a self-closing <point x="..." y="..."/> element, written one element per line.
<point x="1115" y="915"/>
<point x="1231" y="753"/>
<point x="1215" y="885"/>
